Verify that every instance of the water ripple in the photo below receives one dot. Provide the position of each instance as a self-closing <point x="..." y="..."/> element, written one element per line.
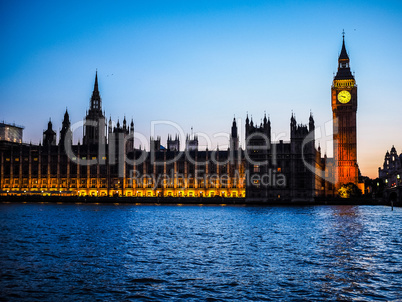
<point x="152" y="253"/>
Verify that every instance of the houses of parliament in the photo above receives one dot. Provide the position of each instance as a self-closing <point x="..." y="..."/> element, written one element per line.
<point x="107" y="164"/>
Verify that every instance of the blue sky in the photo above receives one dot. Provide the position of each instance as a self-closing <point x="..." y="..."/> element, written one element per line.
<point x="200" y="63"/>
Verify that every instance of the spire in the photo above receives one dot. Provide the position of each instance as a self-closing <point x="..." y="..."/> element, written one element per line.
<point x="292" y="118"/>
<point x="234" y="128"/>
<point x="344" y="54"/>
<point x="96" y="99"/>
<point x="343" y="63"/>
<point x="311" y="122"/>
<point x="66" y="118"/>
<point x="96" y="81"/>
<point x="65" y="129"/>
<point x="293" y="122"/>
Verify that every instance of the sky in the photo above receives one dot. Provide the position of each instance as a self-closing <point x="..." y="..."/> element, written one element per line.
<point x="199" y="64"/>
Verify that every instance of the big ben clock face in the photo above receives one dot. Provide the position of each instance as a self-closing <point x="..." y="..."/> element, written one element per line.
<point x="344" y="96"/>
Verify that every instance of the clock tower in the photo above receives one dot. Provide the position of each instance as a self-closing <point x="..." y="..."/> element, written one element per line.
<point x="344" y="107"/>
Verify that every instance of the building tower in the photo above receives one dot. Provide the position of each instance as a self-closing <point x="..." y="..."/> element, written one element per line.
<point x="130" y="141"/>
<point x="257" y="151"/>
<point x="155" y="145"/>
<point x="192" y="141"/>
<point x="344" y="107"/>
<point x="65" y="130"/>
<point x="95" y="122"/>
<point x="173" y="144"/>
<point x="49" y="136"/>
<point x="234" y="137"/>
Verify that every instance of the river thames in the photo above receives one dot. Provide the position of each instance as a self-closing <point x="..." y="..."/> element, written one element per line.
<point x="113" y="252"/>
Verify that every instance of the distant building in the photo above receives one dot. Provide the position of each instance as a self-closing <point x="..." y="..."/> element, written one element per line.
<point x="11" y="133"/>
<point x="391" y="166"/>
<point x="391" y="174"/>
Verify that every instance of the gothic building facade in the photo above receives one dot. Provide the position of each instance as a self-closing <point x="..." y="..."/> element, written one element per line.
<point x="391" y="175"/>
<point x="282" y="170"/>
<point x="107" y="164"/>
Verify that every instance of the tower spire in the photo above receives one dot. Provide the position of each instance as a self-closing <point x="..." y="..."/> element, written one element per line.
<point x="96" y="82"/>
<point x="95" y="122"/>
<point x="343" y="55"/>
<point x="96" y="99"/>
<point x="343" y="72"/>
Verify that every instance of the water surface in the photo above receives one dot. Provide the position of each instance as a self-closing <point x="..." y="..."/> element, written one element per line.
<point x="121" y="252"/>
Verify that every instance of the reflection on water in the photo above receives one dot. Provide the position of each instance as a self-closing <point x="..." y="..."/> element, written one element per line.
<point x="130" y="252"/>
<point x="346" y="267"/>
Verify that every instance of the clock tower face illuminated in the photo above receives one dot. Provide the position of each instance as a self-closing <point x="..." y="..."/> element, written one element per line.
<point x="344" y="96"/>
<point x="344" y="108"/>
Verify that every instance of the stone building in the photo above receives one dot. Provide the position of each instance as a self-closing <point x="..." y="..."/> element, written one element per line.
<point x="391" y="174"/>
<point x="280" y="170"/>
<point x="107" y="164"/>
<point x="11" y="132"/>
